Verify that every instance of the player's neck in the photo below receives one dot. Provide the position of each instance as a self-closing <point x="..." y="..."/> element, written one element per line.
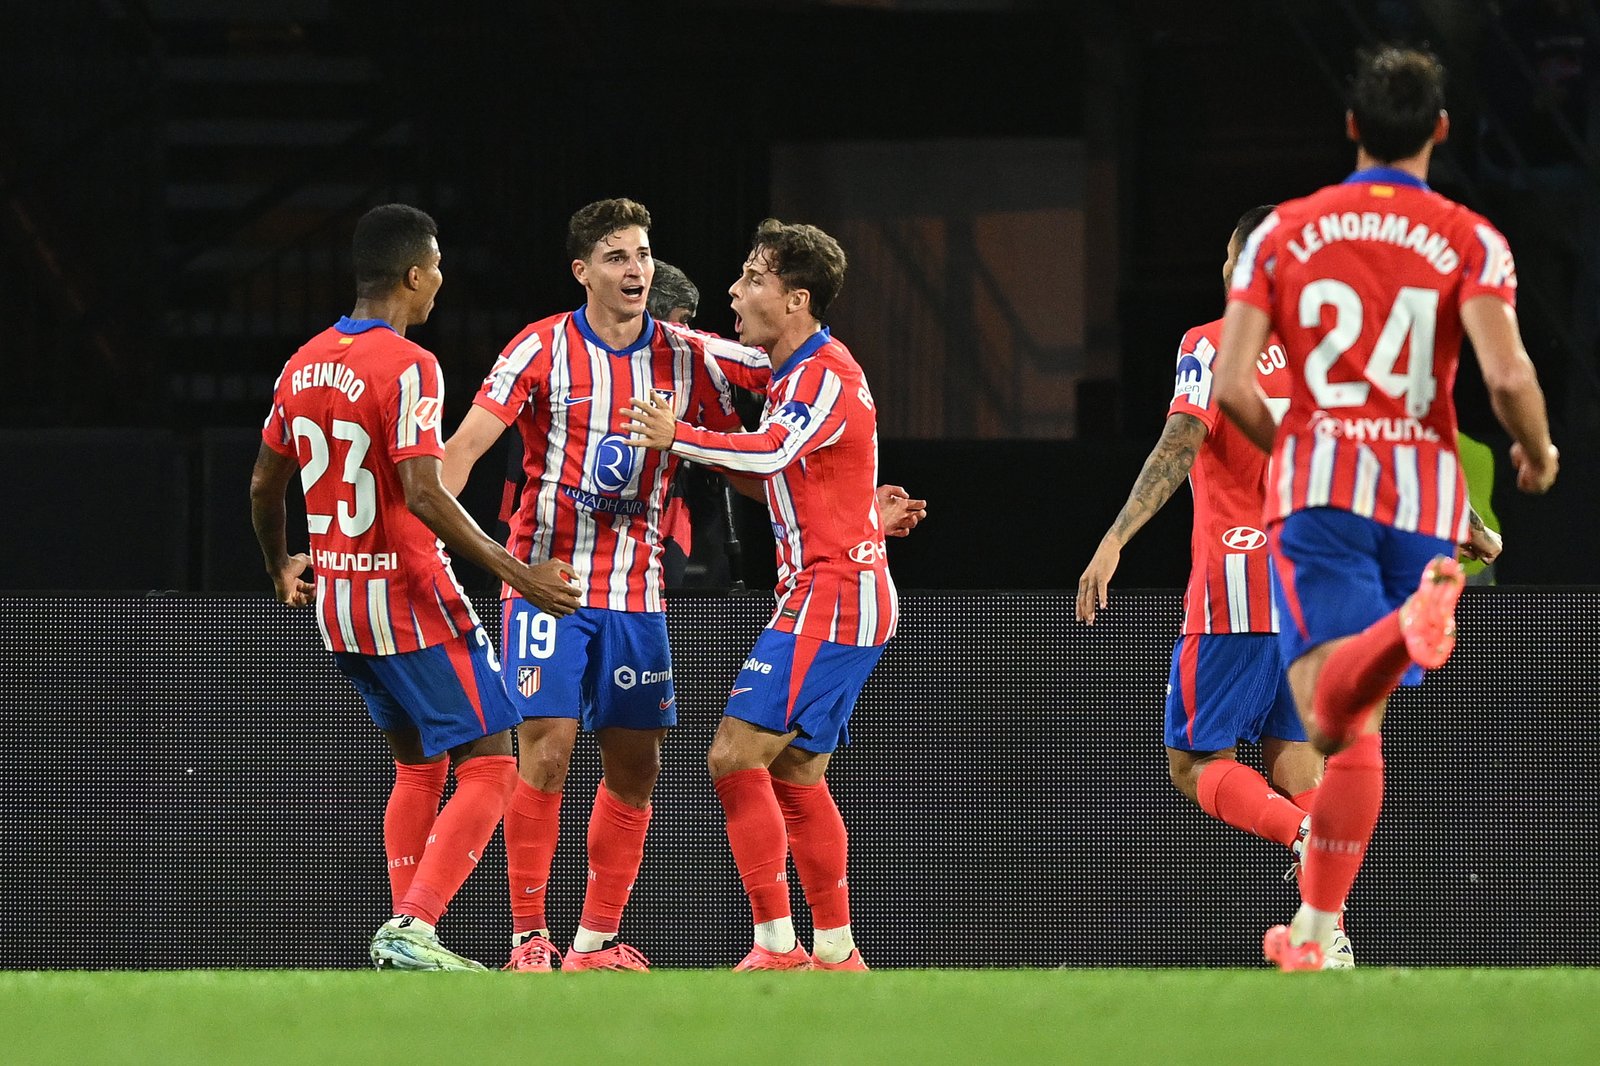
<point x="391" y="311"/>
<point x="618" y="332"/>
<point x="1415" y="165"/>
<point x="790" y="340"/>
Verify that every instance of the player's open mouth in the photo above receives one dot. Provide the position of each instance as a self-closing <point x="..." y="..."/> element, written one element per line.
<point x="633" y="292"/>
<point x="738" y="324"/>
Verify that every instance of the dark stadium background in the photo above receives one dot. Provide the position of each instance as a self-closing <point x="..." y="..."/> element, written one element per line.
<point x="178" y="179"/>
<point x="1035" y="197"/>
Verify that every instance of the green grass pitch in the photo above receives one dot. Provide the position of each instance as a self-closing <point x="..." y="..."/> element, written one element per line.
<point x="1010" y="1017"/>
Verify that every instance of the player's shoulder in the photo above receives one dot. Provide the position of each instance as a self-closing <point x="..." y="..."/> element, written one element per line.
<point x="1453" y="213"/>
<point x="704" y="341"/>
<point x="1293" y="212"/>
<point x="835" y="355"/>
<point x="1203" y="338"/>
<point x="385" y="347"/>
<point x="542" y="330"/>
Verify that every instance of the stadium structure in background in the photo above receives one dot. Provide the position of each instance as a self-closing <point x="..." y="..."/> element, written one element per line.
<point x="194" y="770"/>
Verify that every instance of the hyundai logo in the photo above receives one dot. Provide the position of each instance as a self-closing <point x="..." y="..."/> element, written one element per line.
<point x="1244" y="538"/>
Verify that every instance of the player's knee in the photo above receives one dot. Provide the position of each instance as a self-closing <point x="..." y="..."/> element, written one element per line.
<point x="632" y="780"/>
<point x="1184" y="773"/>
<point x="544" y="768"/>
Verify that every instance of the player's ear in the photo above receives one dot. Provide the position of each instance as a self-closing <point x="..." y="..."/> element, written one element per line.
<point x="1441" y="129"/>
<point x="798" y="300"/>
<point x="1350" y="129"/>
<point x="580" y="270"/>
<point x="413" y="277"/>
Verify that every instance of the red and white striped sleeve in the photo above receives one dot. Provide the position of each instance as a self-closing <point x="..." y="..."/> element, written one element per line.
<point x="810" y="417"/>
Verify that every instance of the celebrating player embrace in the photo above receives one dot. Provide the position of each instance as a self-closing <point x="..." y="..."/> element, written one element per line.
<point x="817" y="450"/>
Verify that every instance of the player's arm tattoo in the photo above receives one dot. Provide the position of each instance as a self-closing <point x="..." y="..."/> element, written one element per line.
<point x="1475" y="521"/>
<point x="1165" y="469"/>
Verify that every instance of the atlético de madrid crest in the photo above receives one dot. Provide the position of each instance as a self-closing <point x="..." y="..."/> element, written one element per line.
<point x="527" y="680"/>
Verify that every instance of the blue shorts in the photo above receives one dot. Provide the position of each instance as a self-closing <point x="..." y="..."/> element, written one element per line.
<point x="1228" y="687"/>
<point x="604" y="668"/>
<point x="450" y="693"/>
<point x="1339" y="572"/>
<point x="802" y="684"/>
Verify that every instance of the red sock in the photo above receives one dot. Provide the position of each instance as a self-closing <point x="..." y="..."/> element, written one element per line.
<point x="616" y="849"/>
<point x="820" y="846"/>
<point x="413" y="805"/>
<point x="1234" y="793"/>
<point x="483" y="785"/>
<point x="533" y="824"/>
<point x="760" y="845"/>
<point x="1360" y="672"/>
<point x="1348" y="801"/>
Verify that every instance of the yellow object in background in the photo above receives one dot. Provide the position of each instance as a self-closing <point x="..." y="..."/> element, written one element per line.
<point x="1477" y="466"/>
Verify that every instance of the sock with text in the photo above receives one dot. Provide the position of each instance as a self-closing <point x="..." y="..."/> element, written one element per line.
<point x="408" y="819"/>
<point x="483" y="786"/>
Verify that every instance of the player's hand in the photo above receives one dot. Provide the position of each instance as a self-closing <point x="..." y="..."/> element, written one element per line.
<point x="290" y="587"/>
<point x="1483" y="544"/>
<point x="1535" y="475"/>
<point x="899" y="511"/>
<point x="650" y="422"/>
<point x="549" y="586"/>
<point x="1095" y="580"/>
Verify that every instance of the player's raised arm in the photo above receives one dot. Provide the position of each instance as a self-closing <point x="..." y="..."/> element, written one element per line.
<point x="1164" y="470"/>
<point x="549" y="585"/>
<point x="1245" y="329"/>
<point x="476" y="435"/>
<point x="1514" y="391"/>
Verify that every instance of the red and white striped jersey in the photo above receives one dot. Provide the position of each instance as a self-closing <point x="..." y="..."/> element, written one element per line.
<point x="817" y="449"/>
<point x="591" y="498"/>
<point x="1230" y="583"/>
<point x="350" y="405"/>
<point x="1364" y="282"/>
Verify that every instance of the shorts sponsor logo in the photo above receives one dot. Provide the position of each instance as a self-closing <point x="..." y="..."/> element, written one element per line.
<point x="756" y="666"/>
<point x="867" y="552"/>
<point x="527" y="680"/>
<point x="1244" y="538"/>
<point x="668" y="702"/>
<point x="626" y="677"/>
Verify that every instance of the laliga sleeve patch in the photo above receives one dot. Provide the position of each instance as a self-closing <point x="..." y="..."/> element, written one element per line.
<point x="425" y="413"/>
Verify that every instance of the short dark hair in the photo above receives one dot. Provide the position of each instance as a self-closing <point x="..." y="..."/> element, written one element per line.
<point x="1250" y="220"/>
<point x="389" y="241"/>
<point x="671" y="290"/>
<point x="1396" y="96"/>
<point x="595" y="222"/>
<point x="802" y="257"/>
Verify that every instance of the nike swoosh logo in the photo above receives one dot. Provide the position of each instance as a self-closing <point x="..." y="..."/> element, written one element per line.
<point x="735" y="691"/>
<point x="535" y="888"/>
<point x="571" y="401"/>
<point x="472" y="855"/>
<point x="668" y="703"/>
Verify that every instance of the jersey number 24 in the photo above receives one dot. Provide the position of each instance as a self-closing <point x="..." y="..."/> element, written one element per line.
<point x="1412" y="318"/>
